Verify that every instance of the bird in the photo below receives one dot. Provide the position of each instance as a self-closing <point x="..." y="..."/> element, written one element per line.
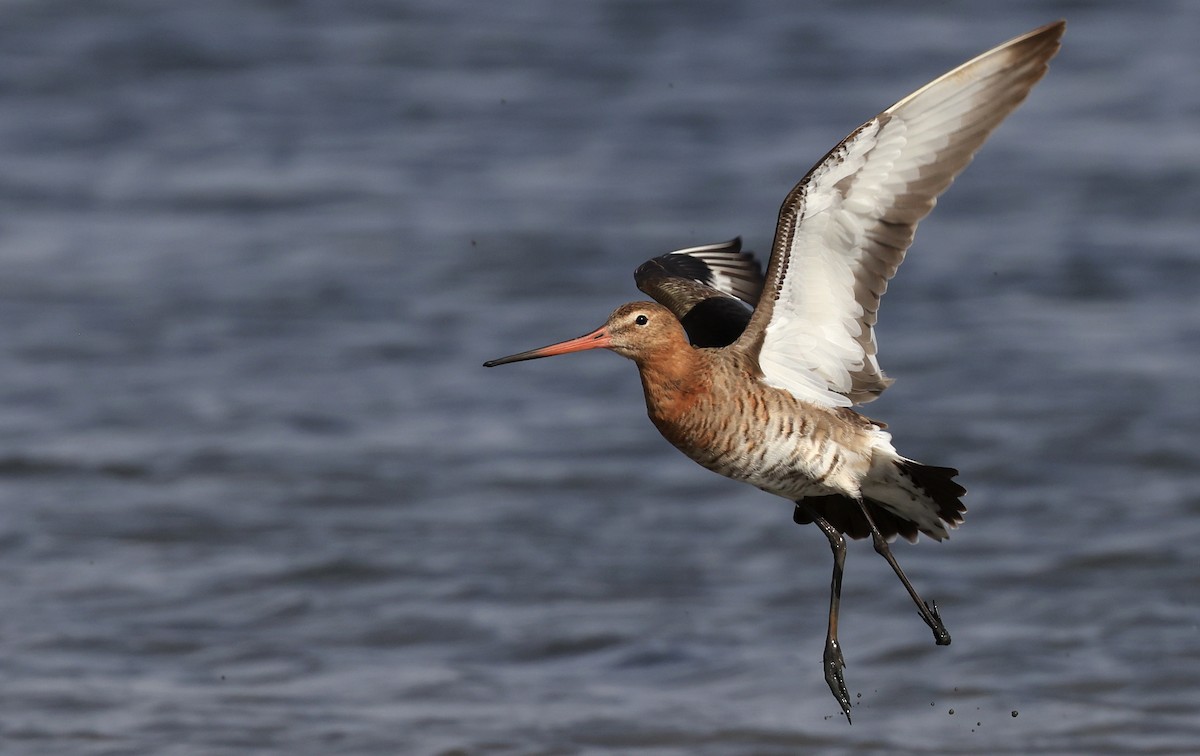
<point x="754" y="375"/>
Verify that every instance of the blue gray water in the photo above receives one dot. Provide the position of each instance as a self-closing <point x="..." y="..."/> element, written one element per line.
<point x="257" y="494"/>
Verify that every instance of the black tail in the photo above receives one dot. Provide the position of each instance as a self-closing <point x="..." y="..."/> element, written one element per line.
<point x="844" y="514"/>
<point x="939" y="483"/>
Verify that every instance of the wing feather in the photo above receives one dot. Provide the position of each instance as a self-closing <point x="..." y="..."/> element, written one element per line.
<point x="710" y="289"/>
<point x="844" y="229"/>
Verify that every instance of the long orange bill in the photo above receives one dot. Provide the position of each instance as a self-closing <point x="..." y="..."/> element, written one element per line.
<point x="597" y="339"/>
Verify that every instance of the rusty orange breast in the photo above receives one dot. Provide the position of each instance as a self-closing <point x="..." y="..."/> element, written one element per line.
<point x="687" y="397"/>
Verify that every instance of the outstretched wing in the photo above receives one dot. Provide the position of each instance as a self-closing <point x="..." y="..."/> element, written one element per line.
<point x="844" y="229"/>
<point x="710" y="289"/>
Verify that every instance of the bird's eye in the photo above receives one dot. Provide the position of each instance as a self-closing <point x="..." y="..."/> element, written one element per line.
<point x="641" y="320"/>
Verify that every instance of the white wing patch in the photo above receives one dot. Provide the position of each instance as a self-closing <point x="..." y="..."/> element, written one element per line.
<point x="810" y="346"/>
<point x="844" y="229"/>
<point x="734" y="272"/>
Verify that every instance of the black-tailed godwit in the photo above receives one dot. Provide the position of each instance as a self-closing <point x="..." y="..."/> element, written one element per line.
<point x="754" y="377"/>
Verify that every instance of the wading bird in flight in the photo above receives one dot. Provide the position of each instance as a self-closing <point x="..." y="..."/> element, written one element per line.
<point x="754" y="376"/>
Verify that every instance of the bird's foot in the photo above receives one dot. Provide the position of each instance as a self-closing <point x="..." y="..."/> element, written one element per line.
<point x="834" y="663"/>
<point x="934" y="619"/>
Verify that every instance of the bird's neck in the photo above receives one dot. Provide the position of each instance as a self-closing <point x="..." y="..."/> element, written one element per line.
<point x="669" y="369"/>
<point x="674" y="381"/>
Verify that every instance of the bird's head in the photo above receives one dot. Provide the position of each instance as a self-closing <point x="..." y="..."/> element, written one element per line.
<point x="633" y="330"/>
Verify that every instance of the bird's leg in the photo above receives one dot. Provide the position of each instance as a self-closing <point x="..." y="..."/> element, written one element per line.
<point x="832" y="660"/>
<point x="928" y="610"/>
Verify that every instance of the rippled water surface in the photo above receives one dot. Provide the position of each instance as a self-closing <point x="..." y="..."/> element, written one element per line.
<point x="258" y="495"/>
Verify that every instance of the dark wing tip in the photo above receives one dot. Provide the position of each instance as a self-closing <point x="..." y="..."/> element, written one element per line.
<point x="723" y="267"/>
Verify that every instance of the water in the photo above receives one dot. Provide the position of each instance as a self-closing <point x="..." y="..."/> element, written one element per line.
<point x="259" y="497"/>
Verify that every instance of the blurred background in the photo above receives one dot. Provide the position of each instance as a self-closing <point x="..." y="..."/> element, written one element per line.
<point x="258" y="495"/>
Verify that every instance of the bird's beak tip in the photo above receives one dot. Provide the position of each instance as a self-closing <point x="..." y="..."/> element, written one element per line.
<point x="597" y="339"/>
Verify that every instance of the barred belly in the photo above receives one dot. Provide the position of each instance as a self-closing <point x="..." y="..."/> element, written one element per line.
<point x="774" y="442"/>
